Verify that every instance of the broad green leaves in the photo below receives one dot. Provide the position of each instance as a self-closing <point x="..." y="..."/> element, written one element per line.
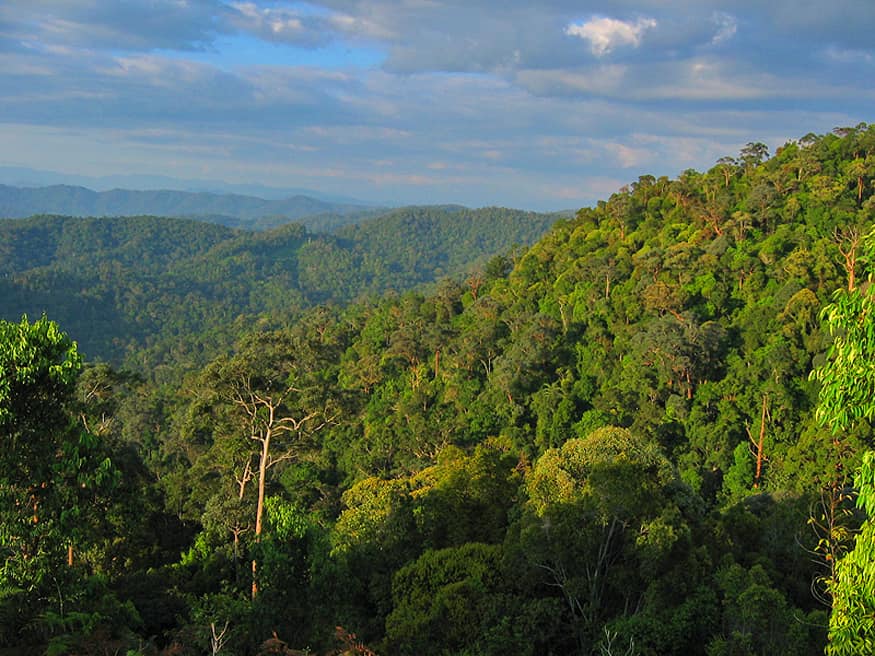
<point x="36" y="361"/>
<point x="847" y="397"/>
<point x="852" y="622"/>
<point x="848" y="383"/>
<point x="52" y="472"/>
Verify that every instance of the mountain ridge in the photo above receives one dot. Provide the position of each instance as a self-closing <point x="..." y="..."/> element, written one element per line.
<point x="124" y="283"/>
<point x="231" y="209"/>
<point x="19" y="176"/>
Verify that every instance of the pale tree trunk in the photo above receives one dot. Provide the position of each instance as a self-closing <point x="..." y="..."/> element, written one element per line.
<point x="848" y="241"/>
<point x="759" y="445"/>
<point x="259" y="509"/>
<point x="262" y="430"/>
<point x="241" y="491"/>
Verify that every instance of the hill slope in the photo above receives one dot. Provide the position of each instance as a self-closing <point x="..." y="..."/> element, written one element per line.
<point x="120" y="284"/>
<point x="614" y="443"/>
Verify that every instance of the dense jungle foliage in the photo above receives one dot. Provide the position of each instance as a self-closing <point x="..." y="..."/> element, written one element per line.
<point x="160" y="293"/>
<point x="606" y="444"/>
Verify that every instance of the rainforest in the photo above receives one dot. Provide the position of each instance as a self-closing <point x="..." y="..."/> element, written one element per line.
<point x="642" y="429"/>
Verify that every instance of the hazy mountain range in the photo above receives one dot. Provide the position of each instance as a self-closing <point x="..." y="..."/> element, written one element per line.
<point x="19" y="176"/>
<point x="234" y="210"/>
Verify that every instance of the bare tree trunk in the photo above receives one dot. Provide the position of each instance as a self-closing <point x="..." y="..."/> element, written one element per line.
<point x="851" y="237"/>
<point x="218" y="638"/>
<point x="261" y="430"/>
<point x="759" y="445"/>
<point x="259" y="509"/>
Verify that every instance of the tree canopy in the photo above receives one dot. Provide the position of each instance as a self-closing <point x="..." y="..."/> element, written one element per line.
<point x="609" y="442"/>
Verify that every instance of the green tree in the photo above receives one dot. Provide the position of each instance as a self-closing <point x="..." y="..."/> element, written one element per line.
<point x="54" y="483"/>
<point x="373" y="537"/>
<point x="50" y="469"/>
<point x="442" y="600"/>
<point x="265" y="401"/>
<point x="852" y="622"/>
<point x="847" y="396"/>
<point x="600" y="515"/>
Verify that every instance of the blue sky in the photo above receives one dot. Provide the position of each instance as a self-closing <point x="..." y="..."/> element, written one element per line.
<point x="539" y="105"/>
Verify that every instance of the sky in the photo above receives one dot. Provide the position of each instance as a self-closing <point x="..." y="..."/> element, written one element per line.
<point x="542" y="105"/>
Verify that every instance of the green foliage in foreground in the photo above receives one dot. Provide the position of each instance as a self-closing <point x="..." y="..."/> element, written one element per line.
<point x="609" y="445"/>
<point x="852" y="621"/>
<point x="847" y="397"/>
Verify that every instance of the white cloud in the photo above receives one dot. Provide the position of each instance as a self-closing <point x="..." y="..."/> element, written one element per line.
<point x="279" y="24"/>
<point x="269" y="20"/>
<point x="727" y="26"/>
<point x="629" y="157"/>
<point x="848" y="56"/>
<point x="606" y="34"/>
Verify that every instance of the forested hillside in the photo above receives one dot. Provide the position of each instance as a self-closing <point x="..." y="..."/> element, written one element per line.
<point x="607" y="444"/>
<point x="158" y="289"/>
<point x="232" y="210"/>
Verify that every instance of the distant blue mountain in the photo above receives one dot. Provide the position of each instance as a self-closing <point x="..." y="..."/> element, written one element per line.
<point x="18" y="176"/>
<point x="234" y="210"/>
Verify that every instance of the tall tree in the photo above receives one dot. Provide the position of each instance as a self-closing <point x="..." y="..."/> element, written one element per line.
<point x="49" y="466"/>
<point x="267" y="402"/>
<point x="847" y="396"/>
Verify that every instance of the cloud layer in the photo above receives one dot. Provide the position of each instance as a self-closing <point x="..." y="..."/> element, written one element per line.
<point x="544" y="105"/>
